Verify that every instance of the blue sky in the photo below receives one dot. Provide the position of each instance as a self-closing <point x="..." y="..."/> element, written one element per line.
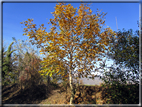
<point x="13" y="13"/>
<point x="127" y="15"/>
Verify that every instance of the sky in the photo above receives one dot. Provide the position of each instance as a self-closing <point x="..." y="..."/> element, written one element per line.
<point x="127" y="15"/>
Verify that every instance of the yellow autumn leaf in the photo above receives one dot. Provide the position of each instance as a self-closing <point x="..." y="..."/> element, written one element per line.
<point x="75" y="36"/>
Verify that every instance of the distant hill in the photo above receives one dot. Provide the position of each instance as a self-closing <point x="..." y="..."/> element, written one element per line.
<point x="96" y="81"/>
<point x="87" y="81"/>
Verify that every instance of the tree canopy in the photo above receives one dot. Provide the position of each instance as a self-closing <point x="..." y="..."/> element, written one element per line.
<point x="125" y="53"/>
<point x="76" y="37"/>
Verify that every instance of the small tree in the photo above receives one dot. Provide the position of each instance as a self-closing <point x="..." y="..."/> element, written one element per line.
<point x="125" y="53"/>
<point x="28" y="63"/>
<point x="31" y="66"/>
<point x="7" y="69"/>
<point x="79" y="43"/>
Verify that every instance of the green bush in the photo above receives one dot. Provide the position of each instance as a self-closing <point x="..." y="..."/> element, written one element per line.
<point x="122" y="94"/>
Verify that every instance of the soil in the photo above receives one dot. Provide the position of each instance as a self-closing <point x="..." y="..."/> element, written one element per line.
<point x="14" y="95"/>
<point x="56" y="97"/>
<point x="42" y="94"/>
<point x="37" y="95"/>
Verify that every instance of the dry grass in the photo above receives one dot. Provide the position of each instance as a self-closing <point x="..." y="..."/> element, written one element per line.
<point x="59" y="95"/>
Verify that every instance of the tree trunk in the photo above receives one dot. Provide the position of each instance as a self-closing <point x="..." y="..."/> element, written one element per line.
<point x="48" y="82"/>
<point x="77" y="85"/>
<point x="70" y="73"/>
<point x="72" y="89"/>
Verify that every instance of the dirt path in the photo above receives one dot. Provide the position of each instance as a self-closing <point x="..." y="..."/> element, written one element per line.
<point x="56" y="97"/>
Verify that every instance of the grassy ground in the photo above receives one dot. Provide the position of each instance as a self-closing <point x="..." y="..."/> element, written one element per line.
<point x="56" y="94"/>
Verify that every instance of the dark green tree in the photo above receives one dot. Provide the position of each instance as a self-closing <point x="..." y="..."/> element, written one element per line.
<point x="7" y="64"/>
<point x="125" y="53"/>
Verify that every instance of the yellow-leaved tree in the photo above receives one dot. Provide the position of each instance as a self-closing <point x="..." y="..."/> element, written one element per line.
<point x="76" y="37"/>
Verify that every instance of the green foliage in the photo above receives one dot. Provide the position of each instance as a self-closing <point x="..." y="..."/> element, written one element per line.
<point x="7" y="71"/>
<point x="115" y="75"/>
<point x="126" y="49"/>
<point x="125" y="53"/>
<point x="121" y="94"/>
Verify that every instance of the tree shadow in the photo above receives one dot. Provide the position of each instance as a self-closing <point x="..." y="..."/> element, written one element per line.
<point x="8" y="87"/>
<point x="31" y="95"/>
